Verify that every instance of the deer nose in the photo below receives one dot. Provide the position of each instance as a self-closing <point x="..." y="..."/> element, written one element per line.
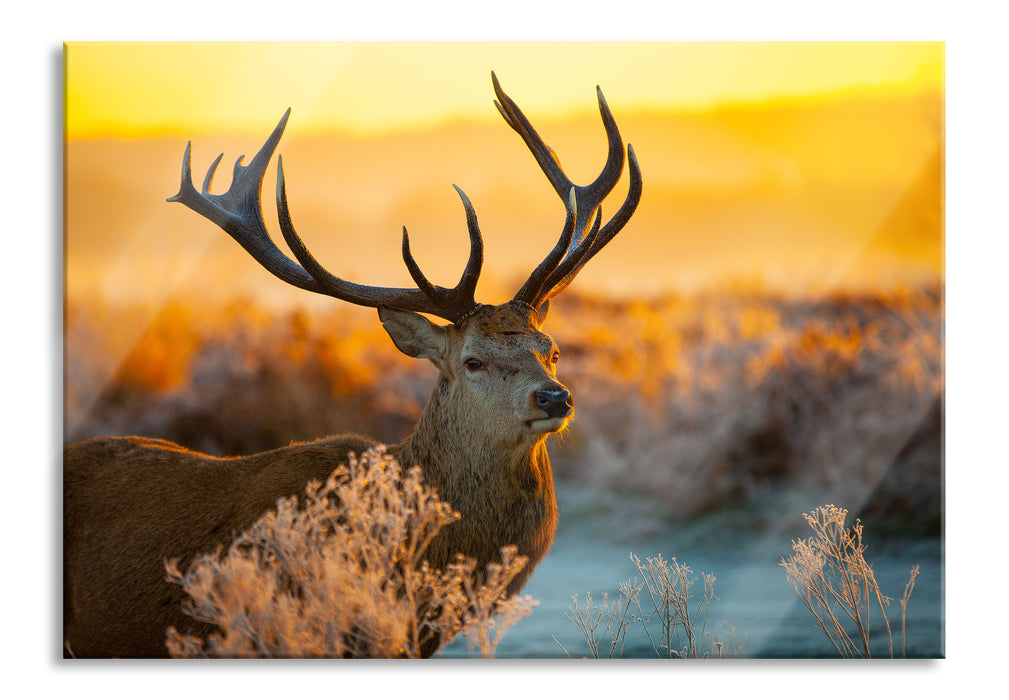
<point x="555" y="403"/>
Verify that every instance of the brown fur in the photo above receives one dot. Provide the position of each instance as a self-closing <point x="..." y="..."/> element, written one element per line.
<point x="130" y="503"/>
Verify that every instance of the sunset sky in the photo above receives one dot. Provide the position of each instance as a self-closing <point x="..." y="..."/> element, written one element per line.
<point x="802" y="164"/>
<point x="139" y="89"/>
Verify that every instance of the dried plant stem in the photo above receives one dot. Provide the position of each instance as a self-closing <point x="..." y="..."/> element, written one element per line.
<point x="668" y="584"/>
<point x="908" y="589"/>
<point x="834" y="581"/>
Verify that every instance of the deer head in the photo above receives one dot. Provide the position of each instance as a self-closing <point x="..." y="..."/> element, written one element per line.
<point x="485" y="347"/>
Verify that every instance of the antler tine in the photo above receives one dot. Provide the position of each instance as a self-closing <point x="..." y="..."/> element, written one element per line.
<point x="573" y="261"/>
<point x="239" y="213"/>
<point x="450" y="304"/>
<point x="594" y="242"/>
<point x="572" y="252"/>
<point x="531" y="289"/>
<point x="471" y="274"/>
<point x="462" y="295"/>
<point x="328" y="283"/>
<point x="588" y="196"/>
<point x="418" y="277"/>
<point x="238" y="210"/>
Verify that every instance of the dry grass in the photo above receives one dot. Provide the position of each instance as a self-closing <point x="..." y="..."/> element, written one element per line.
<point x="687" y="404"/>
<point x="342" y="574"/>
<point x="694" y="403"/>
<point x="672" y="628"/>
<point x="837" y="585"/>
<point x="713" y="402"/>
<point x="829" y="573"/>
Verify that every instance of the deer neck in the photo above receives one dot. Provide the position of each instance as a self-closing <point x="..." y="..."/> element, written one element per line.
<point x="448" y="446"/>
<point x="507" y="487"/>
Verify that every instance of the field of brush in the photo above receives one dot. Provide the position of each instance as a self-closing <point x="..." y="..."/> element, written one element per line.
<point x="705" y="426"/>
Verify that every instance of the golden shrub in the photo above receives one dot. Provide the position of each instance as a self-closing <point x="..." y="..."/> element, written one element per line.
<point x="342" y="574"/>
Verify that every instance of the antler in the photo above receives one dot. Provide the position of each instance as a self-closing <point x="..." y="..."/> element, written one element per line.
<point x="577" y="243"/>
<point x="239" y="213"/>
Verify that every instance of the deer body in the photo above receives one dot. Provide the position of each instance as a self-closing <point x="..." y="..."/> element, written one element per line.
<point x="131" y="503"/>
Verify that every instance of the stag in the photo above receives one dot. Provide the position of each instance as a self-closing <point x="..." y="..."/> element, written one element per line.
<point x="131" y="503"/>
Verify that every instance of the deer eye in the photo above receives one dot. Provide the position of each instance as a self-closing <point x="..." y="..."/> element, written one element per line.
<point x="473" y="364"/>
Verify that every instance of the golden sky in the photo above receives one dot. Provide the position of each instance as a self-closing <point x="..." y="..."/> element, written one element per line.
<point x="139" y="89"/>
<point x="827" y="168"/>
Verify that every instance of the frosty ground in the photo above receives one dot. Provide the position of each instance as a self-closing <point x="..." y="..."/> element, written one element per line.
<point x="591" y="554"/>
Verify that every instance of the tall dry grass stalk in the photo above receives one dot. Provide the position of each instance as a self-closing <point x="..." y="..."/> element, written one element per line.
<point x="342" y="574"/>
<point x="908" y="589"/>
<point x="837" y="585"/>
<point x="678" y="631"/>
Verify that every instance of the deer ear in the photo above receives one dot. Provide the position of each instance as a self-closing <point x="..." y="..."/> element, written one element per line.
<point x="413" y="334"/>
